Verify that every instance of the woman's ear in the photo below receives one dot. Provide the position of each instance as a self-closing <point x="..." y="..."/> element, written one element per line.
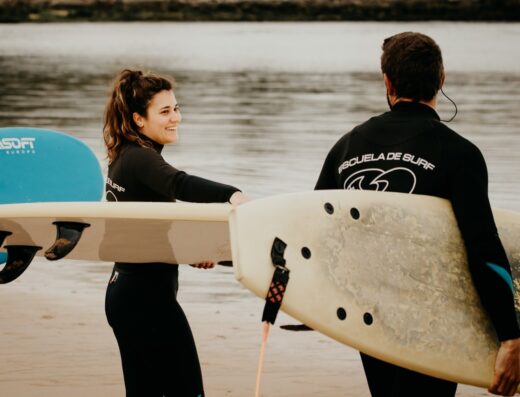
<point x="138" y="119"/>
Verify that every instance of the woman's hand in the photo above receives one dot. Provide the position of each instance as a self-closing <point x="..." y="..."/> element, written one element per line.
<point x="204" y="265"/>
<point x="238" y="198"/>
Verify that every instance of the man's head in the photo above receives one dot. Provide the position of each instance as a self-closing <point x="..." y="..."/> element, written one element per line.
<point x="413" y="64"/>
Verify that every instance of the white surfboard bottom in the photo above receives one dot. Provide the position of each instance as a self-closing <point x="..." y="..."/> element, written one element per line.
<point x="398" y="273"/>
<point x="134" y="232"/>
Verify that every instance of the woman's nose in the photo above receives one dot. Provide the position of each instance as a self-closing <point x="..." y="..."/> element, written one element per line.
<point x="176" y="116"/>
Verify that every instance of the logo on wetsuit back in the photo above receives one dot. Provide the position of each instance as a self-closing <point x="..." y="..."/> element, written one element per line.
<point x="399" y="178"/>
<point x="380" y="180"/>
<point x="13" y="145"/>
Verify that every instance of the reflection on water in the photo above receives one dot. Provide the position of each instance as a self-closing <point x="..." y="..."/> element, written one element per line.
<point x="266" y="129"/>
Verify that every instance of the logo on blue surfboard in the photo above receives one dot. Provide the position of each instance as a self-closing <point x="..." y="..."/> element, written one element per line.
<point x="18" y="145"/>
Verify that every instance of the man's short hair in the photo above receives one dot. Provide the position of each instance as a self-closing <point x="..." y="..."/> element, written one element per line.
<point x="413" y="63"/>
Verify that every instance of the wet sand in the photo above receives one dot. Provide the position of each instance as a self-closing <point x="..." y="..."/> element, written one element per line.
<point x="54" y="339"/>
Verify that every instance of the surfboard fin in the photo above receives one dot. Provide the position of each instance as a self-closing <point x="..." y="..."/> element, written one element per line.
<point x="3" y="255"/>
<point x="19" y="257"/>
<point x="67" y="236"/>
<point x="296" y="327"/>
<point x="3" y="235"/>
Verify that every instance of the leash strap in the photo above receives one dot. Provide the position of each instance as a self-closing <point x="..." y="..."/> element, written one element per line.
<point x="274" y="297"/>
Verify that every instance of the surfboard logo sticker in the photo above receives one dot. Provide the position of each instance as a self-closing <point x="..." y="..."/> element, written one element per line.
<point x="14" y="145"/>
<point x="381" y="180"/>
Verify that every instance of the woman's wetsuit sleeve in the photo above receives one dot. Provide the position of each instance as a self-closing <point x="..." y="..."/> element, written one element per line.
<point x="153" y="171"/>
<point x="487" y="259"/>
<point x="200" y="190"/>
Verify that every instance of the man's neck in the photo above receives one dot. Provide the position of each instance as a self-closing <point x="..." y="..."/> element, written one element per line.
<point x="431" y="103"/>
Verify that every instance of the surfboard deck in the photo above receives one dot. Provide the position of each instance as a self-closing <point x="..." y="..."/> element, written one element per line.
<point x="386" y="273"/>
<point x="134" y="232"/>
<point x="40" y="165"/>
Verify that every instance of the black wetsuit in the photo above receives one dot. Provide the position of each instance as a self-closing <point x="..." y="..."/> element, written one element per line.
<point x="409" y="150"/>
<point x="155" y="341"/>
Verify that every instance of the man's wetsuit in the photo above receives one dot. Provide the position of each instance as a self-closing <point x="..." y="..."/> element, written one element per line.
<point x="409" y="150"/>
<point x="156" y="344"/>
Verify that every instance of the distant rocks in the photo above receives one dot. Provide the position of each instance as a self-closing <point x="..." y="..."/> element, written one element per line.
<point x="258" y="10"/>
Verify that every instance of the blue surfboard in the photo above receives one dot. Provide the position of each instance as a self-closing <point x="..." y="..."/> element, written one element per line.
<point x="38" y="165"/>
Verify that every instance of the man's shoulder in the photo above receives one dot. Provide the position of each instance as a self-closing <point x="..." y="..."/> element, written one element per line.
<point x="441" y="130"/>
<point x="375" y="120"/>
<point x="457" y="148"/>
<point x="345" y="138"/>
<point x="455" y="141"/>
<point x="374" y="123"/>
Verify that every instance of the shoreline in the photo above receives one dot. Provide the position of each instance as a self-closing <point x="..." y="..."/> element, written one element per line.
<point x="16" y="11"/>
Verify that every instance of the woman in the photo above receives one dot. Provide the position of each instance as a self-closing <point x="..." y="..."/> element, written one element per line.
<point x="157" y="348"/>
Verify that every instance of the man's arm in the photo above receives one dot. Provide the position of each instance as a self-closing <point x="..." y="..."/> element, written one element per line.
<point x="488" y="263"/>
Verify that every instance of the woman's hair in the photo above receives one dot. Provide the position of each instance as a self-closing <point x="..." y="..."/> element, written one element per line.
<point x="132" y="92"/>
<point x="413" y="63"/>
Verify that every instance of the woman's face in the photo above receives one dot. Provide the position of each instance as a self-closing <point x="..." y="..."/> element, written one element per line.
<point x="162" y="120"/>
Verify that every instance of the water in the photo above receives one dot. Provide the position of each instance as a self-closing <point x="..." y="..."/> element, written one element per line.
<point x="262" y="103"/>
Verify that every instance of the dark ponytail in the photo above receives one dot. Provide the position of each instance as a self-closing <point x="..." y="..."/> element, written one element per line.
<point x="132" y="92"/>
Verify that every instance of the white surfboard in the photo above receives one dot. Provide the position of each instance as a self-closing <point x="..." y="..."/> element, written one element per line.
<point x="135" y="232"/>
<point x="385" y="273"/>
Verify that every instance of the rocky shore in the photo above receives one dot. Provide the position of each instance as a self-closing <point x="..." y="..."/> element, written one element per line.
<point x="258" y="10"/>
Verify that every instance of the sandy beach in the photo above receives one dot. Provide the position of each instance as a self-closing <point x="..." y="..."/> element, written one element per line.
<point x="54" y="339"/>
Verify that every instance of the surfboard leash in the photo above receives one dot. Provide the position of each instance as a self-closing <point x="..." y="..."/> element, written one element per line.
<point x="273" y="300"/>
<point x="265" y="334"/>
<point x="276" y="291"/>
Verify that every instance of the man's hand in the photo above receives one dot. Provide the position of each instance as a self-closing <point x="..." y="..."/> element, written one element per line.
<point x="204" y="265"/>
<point x="507" y="369"/>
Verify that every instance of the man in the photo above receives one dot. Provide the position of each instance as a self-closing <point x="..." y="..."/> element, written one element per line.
<point x="420" y="155"/>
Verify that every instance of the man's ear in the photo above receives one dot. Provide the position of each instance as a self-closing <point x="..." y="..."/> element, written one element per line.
<point x="389" y="86"/>
<point x="138" y="119"/>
